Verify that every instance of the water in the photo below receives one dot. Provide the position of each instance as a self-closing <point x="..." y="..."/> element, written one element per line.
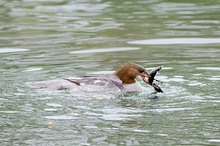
<point x="41" y="40"/>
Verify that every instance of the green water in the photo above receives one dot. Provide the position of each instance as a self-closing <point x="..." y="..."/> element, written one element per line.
<point x="41" y="40"/>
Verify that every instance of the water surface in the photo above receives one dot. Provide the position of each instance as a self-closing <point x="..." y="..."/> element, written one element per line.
<point x="42" y="40"/>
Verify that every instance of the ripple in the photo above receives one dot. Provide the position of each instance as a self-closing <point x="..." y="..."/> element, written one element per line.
<point x="118" y="117"/>
<point x="214" y="140"/>
<point x="195" y="83"/>
<point x="141" y="131"/>
<point x="208" y="68"/>
<point x="214" y="78"/>
<point x="74" y="7"/>
<point x="54" y="105"/>
<point x="197" y="74"/>
<point x="91" y="127"/>
<point x="162" y="134"/>
<point x="171" y="110"/>
<point x="33" y="69"/>
<point x="50" y="109"/>
<point x="9" y="50"/>
<point x="173" y="41"/>
<point x="119" y="114"/>
<point x="9" y="112"/>
<point x="176" y="79"/>
<point x="61" y="117"/>
<point x="105" y="50"/>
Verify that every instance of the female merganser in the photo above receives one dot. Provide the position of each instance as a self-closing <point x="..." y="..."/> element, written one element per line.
<point x="123" y="80"/>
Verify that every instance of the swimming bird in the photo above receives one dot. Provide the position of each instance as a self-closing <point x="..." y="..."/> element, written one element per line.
<point x="123" y="80"/>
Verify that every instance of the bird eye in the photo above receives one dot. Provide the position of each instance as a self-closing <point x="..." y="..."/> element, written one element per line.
<point x="141" y="71"/>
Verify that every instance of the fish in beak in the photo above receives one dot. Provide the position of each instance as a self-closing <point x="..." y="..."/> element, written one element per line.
<point x="150" y="79"/>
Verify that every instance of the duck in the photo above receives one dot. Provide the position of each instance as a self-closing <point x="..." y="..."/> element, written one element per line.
<point x="124" y="80"/>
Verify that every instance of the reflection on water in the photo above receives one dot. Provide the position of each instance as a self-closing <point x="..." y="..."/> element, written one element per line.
<point x="105" y="50"/>
<point x="177" y="41"/>
<point x="8" y="50"/>
<point x="42" y="40"/>
<point x="208" y="68"/>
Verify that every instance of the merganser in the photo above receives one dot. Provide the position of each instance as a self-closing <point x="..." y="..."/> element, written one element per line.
<point x="123" y="80"/>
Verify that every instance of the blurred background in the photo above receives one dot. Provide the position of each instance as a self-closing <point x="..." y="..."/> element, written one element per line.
<point x="41" y="40"/>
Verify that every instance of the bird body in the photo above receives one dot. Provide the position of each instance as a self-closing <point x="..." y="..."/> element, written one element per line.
<point x="123" y="80"/>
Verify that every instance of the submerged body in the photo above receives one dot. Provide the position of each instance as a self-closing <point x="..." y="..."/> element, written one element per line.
<point x="107" y="83"/>
<point x="123" y="80"/>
